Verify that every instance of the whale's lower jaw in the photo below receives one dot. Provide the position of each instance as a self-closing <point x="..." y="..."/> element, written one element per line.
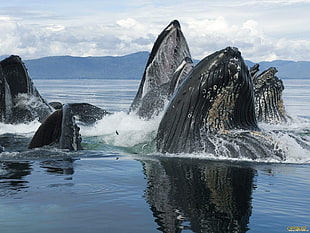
<point x="70" y="137"/>
<point x="169" y="52"/>
<point x="20" y="101"/>
<point x="58" y="130"/>
<point x="215" y="97"/>
<point x="269" y="104"/>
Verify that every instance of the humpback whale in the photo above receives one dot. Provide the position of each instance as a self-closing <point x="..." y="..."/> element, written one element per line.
<point x="20" y="101"/>
<point x="214" y="102"/>
<point x="58" y="130"/>
<point x="153" y="103"/>
<point x="169" y="54"/>
<point x="268" y="90"/>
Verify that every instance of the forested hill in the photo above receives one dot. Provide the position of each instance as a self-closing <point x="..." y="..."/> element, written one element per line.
<point x="130" y="66"/>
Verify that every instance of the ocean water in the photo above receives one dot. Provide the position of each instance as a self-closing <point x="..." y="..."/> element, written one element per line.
<point x="118" y="184"/>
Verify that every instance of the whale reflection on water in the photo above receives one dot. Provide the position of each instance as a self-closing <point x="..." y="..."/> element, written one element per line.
<point x="199" y="195"/>
<point x="183" y="194"/>
<point x="12" y="177"/>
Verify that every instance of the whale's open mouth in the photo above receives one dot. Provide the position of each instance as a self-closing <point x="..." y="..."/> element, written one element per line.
<point x="59" y="130"/>
<point x="269" y="104"/>
<point x="167" y="57"/>
<point x="20" y="101"/>
<point x="216" y="96"/>
<point x="70" y="137"/>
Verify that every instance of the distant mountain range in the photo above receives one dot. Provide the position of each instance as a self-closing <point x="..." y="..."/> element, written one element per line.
<point x="130" y="66"/>
<point x="286" y="69"/>
<point x="107" y="67"/>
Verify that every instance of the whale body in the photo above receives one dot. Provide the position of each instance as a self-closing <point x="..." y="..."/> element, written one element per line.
<point x="170" y="54"/>
<point x="58" y="130"/>
<point x="61" y="129"/>
<point x="215" y="102"/>
<point x="20" y="101"/>
<point x="269" y="104"/>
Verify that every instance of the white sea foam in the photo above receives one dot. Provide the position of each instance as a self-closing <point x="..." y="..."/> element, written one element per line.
<point x="122" y="129"/>
<point x="26" y="129"/>
<point x="295" y="152"/>
<point x="27" y="101"/>
<point x="128" y="130"/>
<point x="293" y="138"/>
<point x="296" y="155"/>
<point x="296" y="149"/>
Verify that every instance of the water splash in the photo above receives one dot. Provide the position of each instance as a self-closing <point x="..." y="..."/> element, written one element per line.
<point x="26" y="129"/>
<point x="29" y="107"/>
<point x="292" y="140"/>
<point x="136" y="135"/>
<point x="130" y="134"/>
<point x="124" y="130"/>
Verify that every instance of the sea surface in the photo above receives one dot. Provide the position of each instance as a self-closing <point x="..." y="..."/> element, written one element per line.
<point x="119" y="184"/>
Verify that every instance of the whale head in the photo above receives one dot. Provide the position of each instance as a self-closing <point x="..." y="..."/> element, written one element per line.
<point x="269" y="104"/>
<point x="216" y="96"/>
<point x="58" y="130"/>
<point x="168" y="53"/>
<point x="20" y="101"/>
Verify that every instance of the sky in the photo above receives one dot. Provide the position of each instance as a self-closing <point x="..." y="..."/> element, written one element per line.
<point x="263" y="30"/>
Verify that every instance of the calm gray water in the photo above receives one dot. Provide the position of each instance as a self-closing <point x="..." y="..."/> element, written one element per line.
<point x="118" y="183"/>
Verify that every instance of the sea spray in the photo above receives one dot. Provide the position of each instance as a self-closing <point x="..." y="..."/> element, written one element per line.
<point x="124" y="130"/>
<point x="26" y="129"/>
<point x="135" y="135"/>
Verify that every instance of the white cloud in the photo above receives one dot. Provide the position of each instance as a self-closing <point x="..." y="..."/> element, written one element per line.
<point x="127" y="23"/>
<point x="277" y="2"/>
<point x="262" y="30"/>
<point x="206" y="36"/>
<point x="55" y="28"/>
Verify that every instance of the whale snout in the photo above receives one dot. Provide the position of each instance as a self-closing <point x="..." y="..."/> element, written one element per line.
<point x="234" y="66"/>
<point x="232" y="51"/>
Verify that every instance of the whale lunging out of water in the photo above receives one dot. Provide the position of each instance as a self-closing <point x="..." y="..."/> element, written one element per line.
<point x="215" y="102"/>
<point x="20" y="101"/>
<point x="58" y="130"/>
<point x="269" y="104"/>
<point x="167" y="65"/>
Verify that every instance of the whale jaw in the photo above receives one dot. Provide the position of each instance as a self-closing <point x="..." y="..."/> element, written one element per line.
<point x="216" y="96"/>
<point x="269" y="104"/>
<point x="169" y="51"/>
<point x="58" y="130"/>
